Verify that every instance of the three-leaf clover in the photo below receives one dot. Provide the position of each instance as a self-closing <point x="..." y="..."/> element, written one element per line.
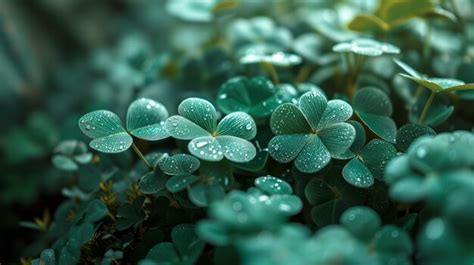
<point x="212" y="141"/>
<point x="145" y="120"/>
<point x="366" y="47"/>
<point x="312" y="132"/>
<point x="254" y="96"/>
<point x="69" y="154"/>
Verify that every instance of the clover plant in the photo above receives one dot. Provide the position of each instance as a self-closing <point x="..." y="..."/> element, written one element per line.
<point x="263" y="132"/>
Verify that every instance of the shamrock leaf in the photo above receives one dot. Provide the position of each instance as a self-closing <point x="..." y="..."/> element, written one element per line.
<point x="146" y="119"/>
<point x="436" y="84"/>
<point x="363" y="222"/>
<point x="282" y="59"/>
<point x="374" y="108"/>
<point x="185" y="247"/>
<point x="366" y="47"/>
<point x="369" y="163"/>
<point x="409" y="133"/>
<point x="254" y="96"/>
<point x="197" y="121"/>
<point x="105" y="128"/>
<point x="69" y="154"/>
<point x="311" y="133"/>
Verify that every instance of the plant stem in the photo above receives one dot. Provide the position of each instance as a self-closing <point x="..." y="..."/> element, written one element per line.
<point x="303" y="73"/>
<point x="426" y="108"/>
<point x="141" y="156"/>
<point x="273" y="73"/>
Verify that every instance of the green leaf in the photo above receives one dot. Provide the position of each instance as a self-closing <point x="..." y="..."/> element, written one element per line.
<point x="288" y="119"/>
<point x="363" y="222"/>
<point x="408" y="190"/>
<point x="184" y="129"/>
<point x="238" y="124"/>
<point x="237" y="149"/>
<point x="376" y="155"/>
<point x="412" y="72"/>
<point x="64" y="163"/>
<point x="272" y="185"/>
<point x="374" y="107"/>
<point x="285" y="148"/>
<point x="366" y="47"/>
<point x="336" y="111"/>
<point x="163" y="253"/>
<point x="145" y="119"/>
<point x="312" y="105"/>
<point x="213" y="232"/>
<point x="203" y="195"/>
<point x="410" y="132"/>
<point x="95" y="211"/>
<point x="106" y="130"/>
<point x="257" y="164"/>
<point x="254" y="96"/>
<point x="356" y="173"/>
<point x="180" y="182"/>
<point x="200" y="112"/>
<point x="338" y="137"/>
<point x="285" y="203"/>
<point x="318" y="192"/>
<point x="178" y="164"/>
<point x="187" y="243"/>
<point x="47" y="257"/>
<point x="206" y="148"/>
<point x="359" y="142"/>
<point x="391" y="239"/>
<point x="152" y="183"/>
<point x="313" y="157"/>
<point x="368" y="23"/>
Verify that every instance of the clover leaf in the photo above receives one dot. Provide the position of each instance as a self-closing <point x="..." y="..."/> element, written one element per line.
<point x="277" y="195"/>
<point x="409" y="133"/>
<point x="282" y="59"/>
<point x="144" y="120"/>
<point x="435" y="84"/>
<point x="197" y="121"/>
<point x="369" y="163"/>
<point x="69" y="154"/>
<point x="363" y="222"/>
<point x="254" y="96"/>
<point x="185" y="247"/>
<point x="374" y="108"/>
<point x="311" y="133"/>
<point x="366" y="47"/>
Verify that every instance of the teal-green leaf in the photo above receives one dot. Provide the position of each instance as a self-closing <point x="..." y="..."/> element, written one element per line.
<point x="409" y="132"/>
<point x="288" y="119"/>
<point x="318" y="192"/>
<point x="376" y="155"/>
<point x="312" y="105"/>
<point x="202" y="195"/>
<point x="254" y="96"/>
<point x="105" y="128"/>
<point x="237" y="149"/>
<point x="238" y="124"/>
<point x="285" y="203"/>
<point x="64" y="163"/>
<point x="313" y="157"/>
<point x="338" y="137"/>
<point x="408" y="190"/>
<point x="184" y="129"/>
<point x="163" y="253"/>
<point x="47" y="257"/>
<point x="180" y="182"/>
<point x="115" y="143"/>
<point x="285" y="148"/>
<point x="146" y="118"/>
<point x="363" y="222"/>
<point x="391" y="239"/>
<point x="359" y="142"/>
<point x="272" y="185"/>
<point x="199" y="111"/>
<point x="357" y="174"/>
<point x="178" y="164"/>
<point x="95" y="211"/>
<point x="206" y="148"/>
<point x="374" y="107"/>
<point x="187" y="243"/>
<point x="336" y="111"/>
<point x="412" y="72"/>
<point x="213" y="232"/>
<point x="152" y="183"/>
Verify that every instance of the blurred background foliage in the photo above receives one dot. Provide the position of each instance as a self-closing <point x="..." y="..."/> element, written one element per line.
<point x="60" y="59"/>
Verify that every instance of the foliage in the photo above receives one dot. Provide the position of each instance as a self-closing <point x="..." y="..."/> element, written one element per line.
<point x="238" y="132"/>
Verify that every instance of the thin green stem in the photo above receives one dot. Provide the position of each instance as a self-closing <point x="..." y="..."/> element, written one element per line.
<point x="426" y="108"/>
<point x="141" y="156"/>
<point x="273" y="73"/>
